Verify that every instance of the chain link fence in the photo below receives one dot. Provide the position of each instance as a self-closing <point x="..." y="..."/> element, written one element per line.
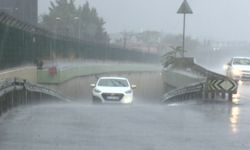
<point x="22" y="43"/>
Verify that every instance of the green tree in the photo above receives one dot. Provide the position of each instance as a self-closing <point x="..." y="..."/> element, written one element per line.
<point x="83" y="22"/>
<point x="171" y="56"/>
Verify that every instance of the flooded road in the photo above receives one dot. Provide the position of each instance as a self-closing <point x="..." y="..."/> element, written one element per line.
<point x="159" y="127"/>
<point x="149" y="87"/>
<point x="147" y="124"/>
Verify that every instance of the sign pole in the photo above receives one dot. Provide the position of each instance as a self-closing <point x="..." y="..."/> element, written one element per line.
<point x="184" y="9"/>
<point x="183" y="38"/>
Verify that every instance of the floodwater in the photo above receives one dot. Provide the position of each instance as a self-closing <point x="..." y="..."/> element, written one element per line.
<point x="147" y="124"/>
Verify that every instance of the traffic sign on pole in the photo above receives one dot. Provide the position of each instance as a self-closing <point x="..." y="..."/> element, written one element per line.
<point x="185" y="8"/>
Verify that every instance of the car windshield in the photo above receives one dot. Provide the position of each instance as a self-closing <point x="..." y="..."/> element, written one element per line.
<point x="241" y="61"/>
<point x="113" y="83"/>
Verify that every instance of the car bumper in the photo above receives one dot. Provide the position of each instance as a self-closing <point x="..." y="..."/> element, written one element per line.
<point x="242" y="77"/>
<point x="107" y="98"/>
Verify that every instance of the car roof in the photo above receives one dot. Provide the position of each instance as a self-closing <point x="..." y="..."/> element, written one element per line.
<point x="121" y="78"/>
<point x="238" y="57"/>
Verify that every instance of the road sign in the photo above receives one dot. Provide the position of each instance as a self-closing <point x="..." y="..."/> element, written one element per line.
<point x="185" y="8"/>
<point x="226" y="85"/>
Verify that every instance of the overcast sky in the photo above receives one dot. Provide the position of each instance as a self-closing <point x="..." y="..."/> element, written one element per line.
<point x="212" y="19"/>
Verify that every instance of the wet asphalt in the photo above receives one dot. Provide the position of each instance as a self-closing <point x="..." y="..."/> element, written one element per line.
<point x="145" y="125"/>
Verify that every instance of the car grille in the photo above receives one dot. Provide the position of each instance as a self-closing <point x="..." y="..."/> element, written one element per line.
<point x="112" y="96"/>
<point x="245" y="76"/>
<point x="246" y="71"/>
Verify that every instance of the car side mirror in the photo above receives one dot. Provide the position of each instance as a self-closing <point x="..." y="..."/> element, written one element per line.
<point x="133" y="86"/>
<point x="229" y="64"/>
<point x="92" y="85"/>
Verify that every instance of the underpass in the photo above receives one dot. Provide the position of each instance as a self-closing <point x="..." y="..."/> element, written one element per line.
<point x="147" y="124"/>
<point x="149" y="87"/>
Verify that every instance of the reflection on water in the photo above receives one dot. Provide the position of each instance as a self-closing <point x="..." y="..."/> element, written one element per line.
<point x="236" y="98"/>
<point x="234" y="118"/>
<point x="240" y="82"/>
<point x="235" y="111"/>
<point x="220" y="112"/>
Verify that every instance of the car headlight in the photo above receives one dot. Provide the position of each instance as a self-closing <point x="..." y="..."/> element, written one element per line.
<point x="97" y="91"/>
<point x="128" y="92"/>
<point x="225" y="67"/>
<point x="128" y="99"/>
<point x="236" y="72"/>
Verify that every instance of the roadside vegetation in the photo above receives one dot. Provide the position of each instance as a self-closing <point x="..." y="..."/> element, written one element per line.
<point x="81" y="22"/>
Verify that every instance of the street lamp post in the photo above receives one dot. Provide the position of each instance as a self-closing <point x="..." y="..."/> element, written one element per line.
<point x="79" y="34"/>
<point x="184" y="9"/>
<point x="79" y="29"/>
<point x="33" y="30"/>
<point x="58" y="19"/>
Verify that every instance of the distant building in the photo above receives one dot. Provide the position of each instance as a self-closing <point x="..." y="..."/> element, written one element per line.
<point x="132" y="42"/>
<point x="25" y="10"/>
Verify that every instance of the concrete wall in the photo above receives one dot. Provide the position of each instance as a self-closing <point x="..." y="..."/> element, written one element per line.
<point x="33" y="75"/>
<point x="65" y="74"/>
<point x="178" y="78"/>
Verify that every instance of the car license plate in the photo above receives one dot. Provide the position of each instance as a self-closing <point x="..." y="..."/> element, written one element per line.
<point x="113" y="97"/>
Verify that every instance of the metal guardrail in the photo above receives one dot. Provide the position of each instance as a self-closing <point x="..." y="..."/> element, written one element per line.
<point x="214" y="86"/>
<point x="41" y="89"/>
<point x="189" y="92"/>
<point x="15" y="92"/>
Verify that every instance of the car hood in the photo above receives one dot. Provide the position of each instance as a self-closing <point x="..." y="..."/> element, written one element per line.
<point x="113" y="89"/>
<point x="242" y="67"/>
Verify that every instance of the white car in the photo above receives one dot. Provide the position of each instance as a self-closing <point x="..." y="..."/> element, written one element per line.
<point x="238" y="68"/>
<point x="112" y="90"/>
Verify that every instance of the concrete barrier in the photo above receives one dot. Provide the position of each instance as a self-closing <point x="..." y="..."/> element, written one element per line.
<point x="180" y="78"/>
<point x="191" y="80"/>
<point x="64" y="74"/>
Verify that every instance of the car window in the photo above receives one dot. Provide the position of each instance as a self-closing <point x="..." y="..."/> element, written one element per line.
<point x="241" y="61"/>
<point x="230" y="62"/>
<point x="113" y="83"/>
